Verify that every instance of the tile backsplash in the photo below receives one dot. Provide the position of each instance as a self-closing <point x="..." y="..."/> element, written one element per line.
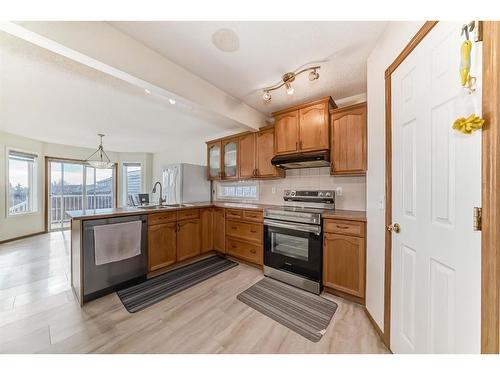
<point x="353" y="188"/>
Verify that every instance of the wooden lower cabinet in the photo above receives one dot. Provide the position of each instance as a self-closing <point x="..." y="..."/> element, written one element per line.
<point x="344" y="263"/>
<point x="188" y="239"/>
<point x="248" y="251"/>
<point x="219" y="230"/>
<point x="207" y="231"/>
<point x="162" y="245"/>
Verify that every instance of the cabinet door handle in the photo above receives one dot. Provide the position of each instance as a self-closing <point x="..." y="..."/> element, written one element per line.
<point x="301" y="144"/>
<point x="178" y="227"/>
<point x="233" y="228"/>
<point x="253" y="231"/>
<point x="296" y="145"/>
<point x="342" y="227"/>
<point x="253" y="251"/>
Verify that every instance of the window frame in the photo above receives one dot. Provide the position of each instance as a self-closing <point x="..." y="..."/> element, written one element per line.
<point x="126" y="164"/>
<point x="222" y="185"/>
<point x="33" y="183"/>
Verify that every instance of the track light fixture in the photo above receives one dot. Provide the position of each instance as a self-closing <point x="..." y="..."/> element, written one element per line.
<point x="287" y="80"/>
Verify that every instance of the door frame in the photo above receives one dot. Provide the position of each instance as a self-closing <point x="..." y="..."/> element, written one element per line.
<point x="46" y="178"/>
<point x="490" y="185"/>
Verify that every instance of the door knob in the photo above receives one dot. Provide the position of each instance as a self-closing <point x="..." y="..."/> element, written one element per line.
<point x="394" y="228"/>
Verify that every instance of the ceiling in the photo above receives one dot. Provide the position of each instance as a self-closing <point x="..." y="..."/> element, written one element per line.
<point x="266" y="51"/>
<point x="48" y="97"/>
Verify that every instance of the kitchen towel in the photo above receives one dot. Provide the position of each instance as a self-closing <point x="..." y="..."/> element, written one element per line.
<point x="115" y="242"/>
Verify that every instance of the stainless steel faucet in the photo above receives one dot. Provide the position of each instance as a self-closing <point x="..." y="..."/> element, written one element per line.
<point x="161" y="200"/>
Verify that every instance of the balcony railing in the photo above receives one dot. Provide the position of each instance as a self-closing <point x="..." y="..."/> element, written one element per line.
<point x="18" y="208"/>
<point x="76" y="202"/>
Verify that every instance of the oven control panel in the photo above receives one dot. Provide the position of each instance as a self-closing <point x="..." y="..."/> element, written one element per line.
<point x="310" y="195"/>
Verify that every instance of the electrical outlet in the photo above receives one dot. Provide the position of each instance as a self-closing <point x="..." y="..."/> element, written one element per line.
<point x="338" y="191"/>
<point x="273" y="190"/>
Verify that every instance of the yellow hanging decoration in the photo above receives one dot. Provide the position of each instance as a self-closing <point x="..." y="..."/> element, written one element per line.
<point x="469" y="124"/>
<point x="465" y="49"/>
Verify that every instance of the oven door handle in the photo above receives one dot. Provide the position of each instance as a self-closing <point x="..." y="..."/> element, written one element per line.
<point x="316" y="229"/>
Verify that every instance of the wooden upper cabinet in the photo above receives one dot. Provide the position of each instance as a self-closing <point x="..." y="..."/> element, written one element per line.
<point x="188" y="239"/>
<point x="303" y="128"/>
<point x="265" y="152"/>
<point x="247" y="156"/>
<point x="214" y="160"/>
<point x="348" y="146"/>
<point x="286" y="131"/>
<point x="162" y="245"/>
<point x="230" y="158"/>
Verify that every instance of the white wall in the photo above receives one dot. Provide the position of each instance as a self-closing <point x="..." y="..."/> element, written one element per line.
<point x="395" y="37"/>
<point x="16" y="226"/>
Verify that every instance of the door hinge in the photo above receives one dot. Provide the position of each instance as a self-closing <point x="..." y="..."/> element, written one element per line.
<point x="477" y="216"/>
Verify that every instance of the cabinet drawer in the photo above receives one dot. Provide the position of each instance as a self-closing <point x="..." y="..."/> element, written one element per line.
<point x="245" y="231"/>
<point x="233" y="214"/>
<point x="188" y="214"/>
<point x="245" y="250"/>
<point x="353" y="228"/>
<point x="161" y="218"/>
<point x="253" y="216"/>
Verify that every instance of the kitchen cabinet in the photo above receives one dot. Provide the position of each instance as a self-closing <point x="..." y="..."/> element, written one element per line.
<point x="207" y="231"/>
<point x="265" y="151"/>
<point x="344" y="253"/>
<point x="214" y="160"/>
<point x="162" y="245"/>
<point x="314" y="128"/>
<point x="244" y="235"/>
<point x="188" y="239"/>
<point x="303" y="128"/>
<point x="348" y="140"/>
<point x="286" y="132"/>
<point x="230" y="158"/>
<point x="219" y="230"/>
<point x="247" y="156"/>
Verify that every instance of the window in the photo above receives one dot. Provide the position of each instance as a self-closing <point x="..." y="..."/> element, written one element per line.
<point x="22" y="189"/>
<point x="132" y="175"/>
<point x="241" y="191"/>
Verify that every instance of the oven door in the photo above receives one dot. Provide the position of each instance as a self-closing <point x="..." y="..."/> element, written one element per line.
<point x="293" y="247"/>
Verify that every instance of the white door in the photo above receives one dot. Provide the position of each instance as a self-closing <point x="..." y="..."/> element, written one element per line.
<point x="435" y="300"/>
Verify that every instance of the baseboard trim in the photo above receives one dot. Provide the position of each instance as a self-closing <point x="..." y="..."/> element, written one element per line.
<point x="376" y="327"/>
<point x="21" y="237"/>
<point x="344" y="295"/>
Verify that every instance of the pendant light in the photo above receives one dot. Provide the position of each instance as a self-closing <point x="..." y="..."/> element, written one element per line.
<point x="102" y="160"/>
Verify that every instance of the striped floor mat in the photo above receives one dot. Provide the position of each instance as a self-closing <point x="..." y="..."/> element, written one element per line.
<point x="301" y="311"/>
<point x="149" y="292"/>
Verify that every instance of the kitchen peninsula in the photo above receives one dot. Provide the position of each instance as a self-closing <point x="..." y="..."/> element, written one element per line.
<point x="171" y="236"/>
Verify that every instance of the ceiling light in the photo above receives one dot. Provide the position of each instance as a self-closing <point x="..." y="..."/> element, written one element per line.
<point x="287" y="80"/>
<point x="226" y="40"/>
<point x="314" y="75"/>
<point x="102" y="160"/>
<point x="147" y="91"/>
<point x="172" y="101"/>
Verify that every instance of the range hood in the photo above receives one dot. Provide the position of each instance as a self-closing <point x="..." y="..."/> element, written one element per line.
<point x="313" y="159"/>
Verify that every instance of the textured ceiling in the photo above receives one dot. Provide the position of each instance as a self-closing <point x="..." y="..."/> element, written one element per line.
<point x="266" y="51"/>
<point x="48" y="97"/>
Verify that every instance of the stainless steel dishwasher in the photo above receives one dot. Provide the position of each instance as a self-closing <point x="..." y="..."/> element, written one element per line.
<point x="109" y="277"/>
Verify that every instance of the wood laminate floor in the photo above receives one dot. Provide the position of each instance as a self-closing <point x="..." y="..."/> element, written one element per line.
<point x="39" y="314"/>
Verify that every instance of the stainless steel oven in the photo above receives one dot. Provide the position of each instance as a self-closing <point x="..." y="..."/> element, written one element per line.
<point x="293" y="242"/>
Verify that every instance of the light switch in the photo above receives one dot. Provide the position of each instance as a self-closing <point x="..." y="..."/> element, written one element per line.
<point x="338" y="191"/>
<point x="273" y="190"/>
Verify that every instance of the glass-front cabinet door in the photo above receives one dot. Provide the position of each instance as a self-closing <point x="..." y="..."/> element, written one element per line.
<point x="214" y="160"/>
<point x="230" y="158"/>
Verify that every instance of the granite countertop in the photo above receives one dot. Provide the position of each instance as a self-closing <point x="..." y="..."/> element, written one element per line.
<point x="126" y="211"/>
